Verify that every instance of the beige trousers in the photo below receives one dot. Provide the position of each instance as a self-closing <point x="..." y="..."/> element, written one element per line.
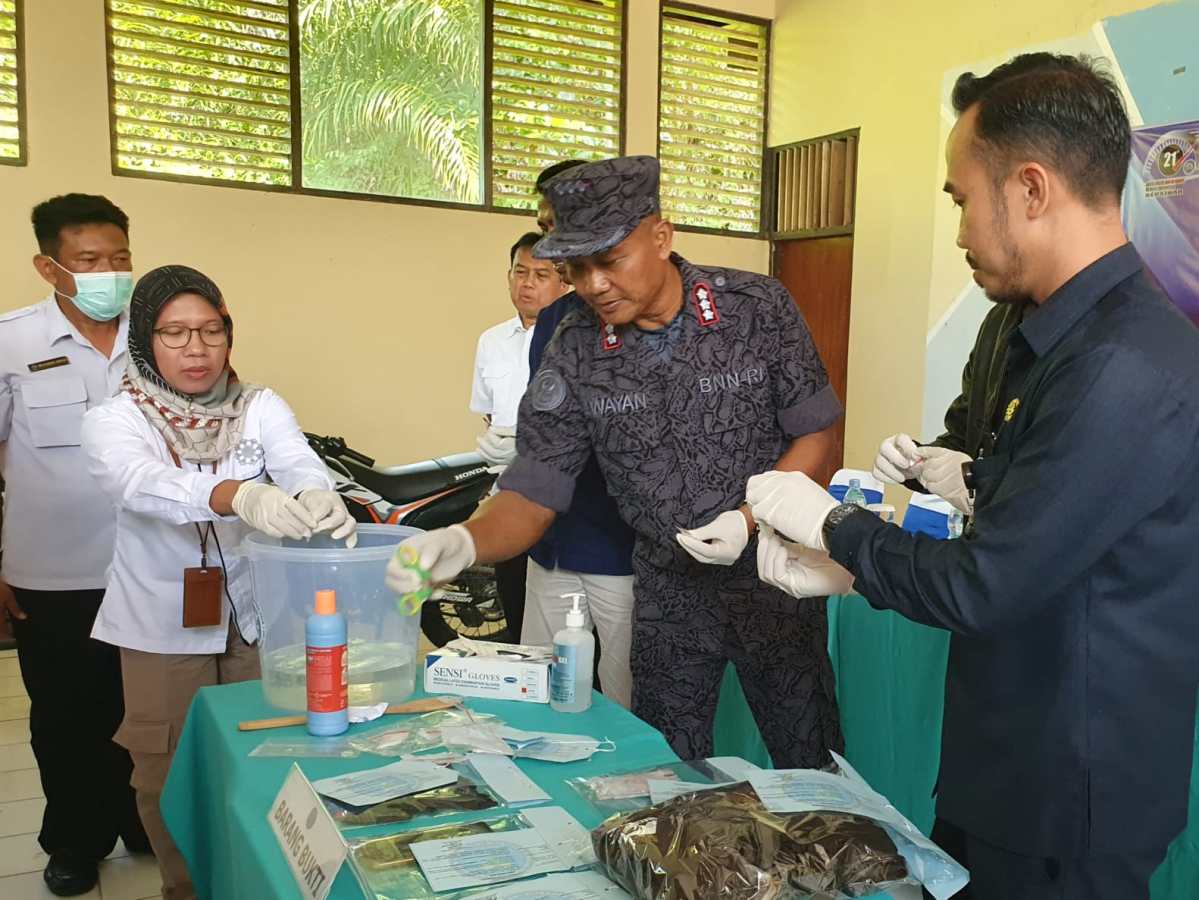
<point x="159" y="688"/>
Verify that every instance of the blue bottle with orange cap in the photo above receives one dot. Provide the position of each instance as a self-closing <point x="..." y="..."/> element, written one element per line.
<point x="327" y="671"/>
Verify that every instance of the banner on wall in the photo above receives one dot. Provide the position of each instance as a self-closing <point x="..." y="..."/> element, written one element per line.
<point x="1161" y="208"/>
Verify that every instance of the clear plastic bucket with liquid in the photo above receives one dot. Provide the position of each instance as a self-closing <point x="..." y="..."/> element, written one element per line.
<point x="382" y="641"/>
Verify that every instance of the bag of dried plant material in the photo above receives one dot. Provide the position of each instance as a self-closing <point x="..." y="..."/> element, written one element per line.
<point x="798" y="833"/>
<point x="723" y="843"/>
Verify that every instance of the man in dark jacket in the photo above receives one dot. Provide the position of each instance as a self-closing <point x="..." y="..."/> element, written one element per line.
<point x="1070" y="692"/>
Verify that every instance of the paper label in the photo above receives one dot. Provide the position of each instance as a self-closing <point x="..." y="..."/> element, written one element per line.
<point x="458" y="863"/>
<point x="371" y="786"/>
<point x="562" y="673"/>
<point x="503" y="777"/>
<point x="734" y="767"/>
<point x="562" y="831"/>
<point x="328" y="679"/>
<point x="805" y="790"/>
<point x="307" y="835"/>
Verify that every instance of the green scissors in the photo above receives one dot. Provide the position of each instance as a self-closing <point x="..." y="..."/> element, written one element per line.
<point x="409" y="604"/>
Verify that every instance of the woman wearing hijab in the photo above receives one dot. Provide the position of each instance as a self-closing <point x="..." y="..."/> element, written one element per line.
<point x="193" y="460"/>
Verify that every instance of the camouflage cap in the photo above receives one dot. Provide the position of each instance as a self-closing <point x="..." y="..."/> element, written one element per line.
<point x="597" y="205"/>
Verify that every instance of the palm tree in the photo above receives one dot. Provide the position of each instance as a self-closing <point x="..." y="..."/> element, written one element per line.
<point x="392" y="96"/>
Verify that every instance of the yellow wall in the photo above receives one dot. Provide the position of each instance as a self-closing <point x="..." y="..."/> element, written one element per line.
<point x="364" y="315"/>
<point x="878" y="65"/>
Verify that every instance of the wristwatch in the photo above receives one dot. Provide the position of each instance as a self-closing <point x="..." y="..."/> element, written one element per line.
<point x="836" y="516"/>
<point x="968" y="482"/>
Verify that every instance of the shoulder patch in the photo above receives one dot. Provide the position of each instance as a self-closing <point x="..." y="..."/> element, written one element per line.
<point x="548" y="390"/>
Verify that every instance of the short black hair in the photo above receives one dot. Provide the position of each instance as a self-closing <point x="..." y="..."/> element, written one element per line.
<point x="1057" y="109"/>
<point x="528" y="239"/>
<point x="51" y="216"/>
<point x="556" y="169"/>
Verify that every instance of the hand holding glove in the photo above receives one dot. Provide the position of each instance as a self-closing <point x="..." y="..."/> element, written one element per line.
<point x="720" y="542"/>
<point x="332" y="517"/>
<point x="792" y="504"/>
<point x="442" y="553"/>
<point x="898" y="459"/>
<point x="268" y="509"/>
<point x="942" y="475"/>
<point x="799" y="571"/>
<point x="497" y="445"/>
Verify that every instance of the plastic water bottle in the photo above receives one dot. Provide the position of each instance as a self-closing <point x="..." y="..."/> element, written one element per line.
<point x="855" y="495"/>
<point x="574" y="653"/>
<point x="327" y="668"/>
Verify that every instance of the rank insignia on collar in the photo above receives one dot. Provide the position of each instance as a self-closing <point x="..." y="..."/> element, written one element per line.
<point x="705" y="304"/>
<point x="609" y="339"/>
<point x="1011" y="410"/>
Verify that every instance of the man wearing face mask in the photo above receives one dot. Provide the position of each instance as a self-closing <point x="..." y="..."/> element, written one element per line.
<point x="59" y="358"/>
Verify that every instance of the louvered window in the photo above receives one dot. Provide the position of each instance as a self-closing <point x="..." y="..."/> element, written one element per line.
<point x="12" y="106"/>
<point x="712" y="118"/>
<point x="556" y="89"/>
<point x="450" y="101"/>
<point x="815" y="186"/>
<point x="202" y="89"/>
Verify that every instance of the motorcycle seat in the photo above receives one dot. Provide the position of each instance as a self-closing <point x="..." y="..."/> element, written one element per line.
<point x="408" y="487"/>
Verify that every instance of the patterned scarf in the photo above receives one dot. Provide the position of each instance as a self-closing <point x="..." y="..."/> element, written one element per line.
<point x="200" y="428"/>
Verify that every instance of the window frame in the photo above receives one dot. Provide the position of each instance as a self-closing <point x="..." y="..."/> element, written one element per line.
<point x="763" y="194"/>
<point x="297" y="126"/>
<point x="22" y="157"/>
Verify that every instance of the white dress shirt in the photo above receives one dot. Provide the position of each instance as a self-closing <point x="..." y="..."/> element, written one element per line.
<point x="58" y="525"/>
<point x="158" y="504"/>
<point x="501" y="371"/>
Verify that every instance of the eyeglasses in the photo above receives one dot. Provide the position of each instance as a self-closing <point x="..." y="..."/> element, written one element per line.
<point x="176" y="337"/>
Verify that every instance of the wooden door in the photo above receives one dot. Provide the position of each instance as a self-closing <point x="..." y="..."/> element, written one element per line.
<point x="818" y="272"/>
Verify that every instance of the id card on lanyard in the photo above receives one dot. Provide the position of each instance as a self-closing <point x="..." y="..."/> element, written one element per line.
<point x="203" y="585"/>
<point x="203" y="588"/>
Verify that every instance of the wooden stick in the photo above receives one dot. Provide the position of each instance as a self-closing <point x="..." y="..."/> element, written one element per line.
<point x="425" y="704"/>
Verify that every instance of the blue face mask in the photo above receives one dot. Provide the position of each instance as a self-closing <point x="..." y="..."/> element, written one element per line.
<point x="100" y="295"/>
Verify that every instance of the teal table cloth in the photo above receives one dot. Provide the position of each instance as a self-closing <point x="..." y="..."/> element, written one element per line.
<point x="217" y="797"/>
<point x="890" y="685"/>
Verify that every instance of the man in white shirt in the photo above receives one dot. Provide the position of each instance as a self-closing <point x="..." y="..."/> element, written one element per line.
<point x="59" y="358"/>
<point x="501" y="376"/>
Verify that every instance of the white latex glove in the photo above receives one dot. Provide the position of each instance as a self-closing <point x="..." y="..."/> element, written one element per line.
<point x="898" y="459"/>
<point x="443" y="553"/>
<point x="720" y="542"/>
<point x="792" y="504"/>
<point x="497" y="445"/>
<point x="799" y="571"/>
<point x="268" y="509"/>
<point x="332" y="517"/>
<point x="942" y="475"/>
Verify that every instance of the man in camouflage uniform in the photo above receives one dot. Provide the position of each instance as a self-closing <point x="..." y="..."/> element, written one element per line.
<point x="685" y="381"/>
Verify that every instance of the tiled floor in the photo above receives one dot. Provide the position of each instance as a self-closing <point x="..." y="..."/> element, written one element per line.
<point x="122" y="877"/>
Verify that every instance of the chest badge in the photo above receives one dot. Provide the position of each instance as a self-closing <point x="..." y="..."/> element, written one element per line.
<point x="705" y="304"/>
<point x="249" y="452"/>
<point x="609" y="339"/>
<point x="1011" y="410"/>
<point x="43" y="365"/>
